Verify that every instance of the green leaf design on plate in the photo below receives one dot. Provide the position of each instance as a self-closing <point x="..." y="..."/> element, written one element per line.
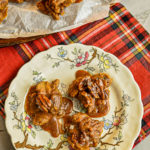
<point x="36" y="72"/>
<point x="33" y="134"/>
<point x="16" y="127"/>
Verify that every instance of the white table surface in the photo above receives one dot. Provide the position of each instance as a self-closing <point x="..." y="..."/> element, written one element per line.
<point x="140" y="9"/>
<point x="134" y="6"/>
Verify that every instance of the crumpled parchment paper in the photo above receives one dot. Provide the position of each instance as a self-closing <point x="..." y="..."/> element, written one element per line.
<point x="25" y="20"/>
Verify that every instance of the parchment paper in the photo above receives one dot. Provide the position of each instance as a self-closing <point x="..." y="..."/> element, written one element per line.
<point x="25" y="20"/>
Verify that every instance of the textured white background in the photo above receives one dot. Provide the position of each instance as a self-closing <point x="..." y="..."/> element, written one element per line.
<point x="141" y="10"/>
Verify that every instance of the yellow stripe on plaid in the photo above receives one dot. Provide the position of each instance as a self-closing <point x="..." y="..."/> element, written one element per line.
<point x="147" y="107"/>
<point x="127" y="58"/>
<point x="143" y="133"/>
<point x="88" y="31"/>
<point x="102" y="23"/>
<point x="4" y="92"/>
<point x="139" y="47"/>
<point x="67" y="37"/>
<point x="146" y="55"/>
<point x="26" y="51"/>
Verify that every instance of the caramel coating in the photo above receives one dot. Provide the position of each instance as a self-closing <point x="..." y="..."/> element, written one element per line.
<point x="55" y="8"/>
<point x="83" y="131"/>
<point x="92" y="91"/>
<point x="45" y="105"/>
<point x="3" y="9"/>
<point x="17" y="1"/>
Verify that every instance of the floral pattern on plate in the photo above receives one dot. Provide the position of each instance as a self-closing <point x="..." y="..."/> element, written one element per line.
<point x="64" y="61"/>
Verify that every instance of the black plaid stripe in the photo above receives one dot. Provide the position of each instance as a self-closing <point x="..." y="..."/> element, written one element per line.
<point x="21" y="53"/>
<point x="34" y="47"/>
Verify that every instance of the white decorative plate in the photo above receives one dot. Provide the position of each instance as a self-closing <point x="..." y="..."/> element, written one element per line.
<point x="123" y="122"/>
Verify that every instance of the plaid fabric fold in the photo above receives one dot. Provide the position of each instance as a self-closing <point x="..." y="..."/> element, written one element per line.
<point x="119" y="34"/>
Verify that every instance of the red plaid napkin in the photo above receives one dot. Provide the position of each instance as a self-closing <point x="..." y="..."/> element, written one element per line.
<point x="119" y="34"/>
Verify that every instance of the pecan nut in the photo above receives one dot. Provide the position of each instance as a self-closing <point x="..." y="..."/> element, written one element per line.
<point x="92" y="91"/>
<point x="84" y="132"/>
<point x="43" y="102"/>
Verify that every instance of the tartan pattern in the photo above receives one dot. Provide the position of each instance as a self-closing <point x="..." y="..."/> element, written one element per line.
<point x="119" y="34"/>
